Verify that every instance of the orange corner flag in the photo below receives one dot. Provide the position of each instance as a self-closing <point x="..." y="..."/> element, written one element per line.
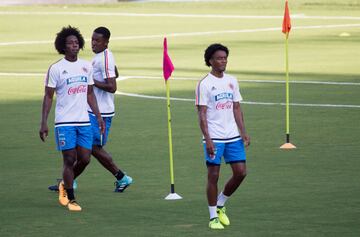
<point x="286" y="25"/>
<point x="168" y="67"/>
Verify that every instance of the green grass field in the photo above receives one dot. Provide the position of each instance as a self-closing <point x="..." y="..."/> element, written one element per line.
<point x="311" y="191"/>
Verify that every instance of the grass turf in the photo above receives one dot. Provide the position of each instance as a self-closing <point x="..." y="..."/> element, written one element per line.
<point x="311" y="191"/>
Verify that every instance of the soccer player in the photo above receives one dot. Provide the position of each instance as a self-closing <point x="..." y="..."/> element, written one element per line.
<point x="105" y="74"/>
<point x="71" y="79"/>
<point x="224" y="135"/>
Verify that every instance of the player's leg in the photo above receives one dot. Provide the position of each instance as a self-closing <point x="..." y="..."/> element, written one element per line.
<point x="66" y="142"/>
<point x="213" y="171"/>
<point x="66" y="191"/>
<point x="122" y="180"/>
<point x="211" y="188"/>
<point x="75" y="168"/>
<point x="104" y="158"/>
<point x="234" y="155"/>
<point x="99" y="141"/>
<point x="83" y="148"/>
<point x="83" y="140"/>
<point x="212" y="191"/>
<point x="82" y="160"/>
<point x="238" y="175"/>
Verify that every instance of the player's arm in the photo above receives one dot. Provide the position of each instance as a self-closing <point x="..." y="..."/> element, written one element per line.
<point x="110" y="83"/>
<point x="204" y="129"/>
<point x="239" y="119"/>
<point x="91" y="99"/>
<point x="46" y="107"/>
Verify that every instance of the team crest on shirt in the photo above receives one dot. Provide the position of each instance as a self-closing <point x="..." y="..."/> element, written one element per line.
<point x="213" y="88"/>
<point x="231" y="86"/>
<point x="64" y="72"/>
<point x="85" y="69"/>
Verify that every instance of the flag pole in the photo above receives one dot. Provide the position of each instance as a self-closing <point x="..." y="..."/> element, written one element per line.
<point x="168" y="68"/>
<point x="286" y="30"/>
<point x="172" y="185"/>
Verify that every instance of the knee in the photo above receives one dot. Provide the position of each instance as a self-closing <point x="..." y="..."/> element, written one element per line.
<point x="213" y="176"/>
<point x="69" y="161"/>
<point x="240" y="175"/>
<point x="85" y="161"/>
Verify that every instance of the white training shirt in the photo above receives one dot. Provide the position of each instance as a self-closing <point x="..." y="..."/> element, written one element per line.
<point x="104" y="67"/>
<point x="218" y="95"/>
<point x="70" y="80"/>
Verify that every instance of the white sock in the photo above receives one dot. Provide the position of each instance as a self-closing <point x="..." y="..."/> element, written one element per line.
<point x="212" y="211"/>
<point x="221" y="200"/>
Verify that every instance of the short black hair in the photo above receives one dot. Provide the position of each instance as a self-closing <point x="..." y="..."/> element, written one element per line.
<point x="60" y="41"/>
<point x="104" y="31"/>
<point x="209" y="52"/>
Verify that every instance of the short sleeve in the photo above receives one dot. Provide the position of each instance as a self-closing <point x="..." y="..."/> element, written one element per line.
<point x="237" y="95"/>
<point x="108" y="69"/>
<point x="201" y="94"/>
<point x="90" y="76"/>
<point x="52" y="77"/>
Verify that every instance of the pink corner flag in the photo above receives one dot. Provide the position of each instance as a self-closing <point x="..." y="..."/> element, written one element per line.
<point x="168" y="67"/>
<point x="286" y="25"/>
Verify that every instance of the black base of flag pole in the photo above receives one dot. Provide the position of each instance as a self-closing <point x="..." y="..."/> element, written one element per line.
<point x="172" y="195"/>
<point x="287" y="145"/>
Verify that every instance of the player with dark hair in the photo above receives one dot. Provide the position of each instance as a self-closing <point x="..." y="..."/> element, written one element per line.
<point x="224" y="135"/>
<point x="71" y="79"/>
<point x="209" y="52"/>
<point x="105" y="74"/>
<point x="60" y="41"/>
<point x="104" y="32"/>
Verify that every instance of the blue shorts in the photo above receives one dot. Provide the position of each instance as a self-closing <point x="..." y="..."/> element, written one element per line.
<point x="97" y="139"/>
<point x="69" y="137"/>
<point x="233" y="152"/>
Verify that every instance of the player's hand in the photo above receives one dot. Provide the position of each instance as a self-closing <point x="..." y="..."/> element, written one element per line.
<point x="101" y="125"/>
<point x="210" y="148"/>
<point x="246" y="139"/>
<point x="43" y="132"/>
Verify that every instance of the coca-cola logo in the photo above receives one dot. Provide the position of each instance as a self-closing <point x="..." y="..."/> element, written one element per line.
<point x="225" y="105"/>
<point x="77" y="90"/>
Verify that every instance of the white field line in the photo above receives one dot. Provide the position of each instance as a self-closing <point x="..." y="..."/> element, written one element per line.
<point x="22" y="74"/>
<point x="192" y="34"/>
<point x="193" y="79"/>
<point x="122" y="78"/>
<point x="129" y="14"/>
<point x="243" y="102"/>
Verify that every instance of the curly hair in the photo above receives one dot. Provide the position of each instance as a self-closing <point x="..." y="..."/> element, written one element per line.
<point x="209" y="52"/>
<point x="60" y="41"/>
<point x="105" y="32"/>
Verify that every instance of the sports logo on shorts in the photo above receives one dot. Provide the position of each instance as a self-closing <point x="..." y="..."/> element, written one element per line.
<point x="61" y="138"/>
